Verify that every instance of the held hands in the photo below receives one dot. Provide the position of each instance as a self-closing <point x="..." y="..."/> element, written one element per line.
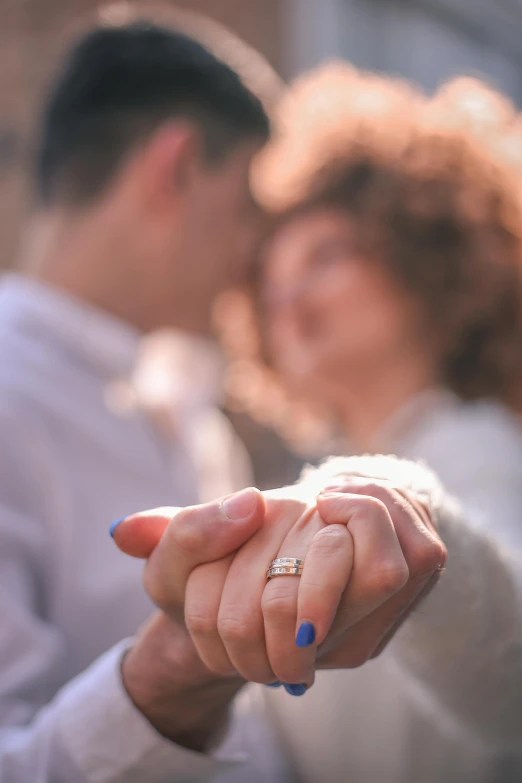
<point x="370" y="551"/>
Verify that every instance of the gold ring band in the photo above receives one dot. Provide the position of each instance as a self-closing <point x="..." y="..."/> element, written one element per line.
<point x="285" y="566"/>
<point x="283" y="571"/>
<point x="287" y="561"/>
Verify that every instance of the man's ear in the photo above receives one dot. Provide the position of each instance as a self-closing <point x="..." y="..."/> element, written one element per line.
<point x="169" y="163"/>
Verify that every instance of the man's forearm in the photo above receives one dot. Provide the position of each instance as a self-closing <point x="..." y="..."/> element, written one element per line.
<point x="172" y="688"/>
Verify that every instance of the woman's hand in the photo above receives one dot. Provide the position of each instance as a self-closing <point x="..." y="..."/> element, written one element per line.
<point x="370" y="554"/>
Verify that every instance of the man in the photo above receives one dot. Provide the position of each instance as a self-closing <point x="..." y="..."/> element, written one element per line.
<point x="143" y="216"/>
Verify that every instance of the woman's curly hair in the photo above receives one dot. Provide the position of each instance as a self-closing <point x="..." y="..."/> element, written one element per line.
<point x="433" y="186"/>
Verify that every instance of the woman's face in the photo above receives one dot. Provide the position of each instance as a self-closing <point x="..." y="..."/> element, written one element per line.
<point x="329" y="313"/>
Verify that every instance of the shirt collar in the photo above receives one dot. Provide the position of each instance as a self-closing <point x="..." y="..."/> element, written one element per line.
<point x="105" y="341"/>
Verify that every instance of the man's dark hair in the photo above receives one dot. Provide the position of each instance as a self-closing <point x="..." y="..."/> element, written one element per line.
<point x="120" y="83"/>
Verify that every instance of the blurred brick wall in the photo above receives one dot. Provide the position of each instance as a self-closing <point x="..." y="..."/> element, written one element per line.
<point x="32" y="36"/>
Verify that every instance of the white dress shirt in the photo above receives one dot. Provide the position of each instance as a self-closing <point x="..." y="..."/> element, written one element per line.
<point x="74" y="456"/>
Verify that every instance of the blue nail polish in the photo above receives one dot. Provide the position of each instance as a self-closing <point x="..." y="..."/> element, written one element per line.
<point x="275" y="684"/>
<point x="305" y="635"/>
<point x="296" y="690"/>
<point x="114" y="526"/>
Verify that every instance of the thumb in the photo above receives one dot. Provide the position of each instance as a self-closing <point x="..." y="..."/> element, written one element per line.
<point x="178" y="542"/>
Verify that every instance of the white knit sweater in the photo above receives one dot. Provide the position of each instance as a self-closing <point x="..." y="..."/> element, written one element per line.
<point x="443" y="704"/>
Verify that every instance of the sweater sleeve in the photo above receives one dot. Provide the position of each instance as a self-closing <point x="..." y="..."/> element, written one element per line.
<point x="462" y="648"/>
<point x="464" y="644"/>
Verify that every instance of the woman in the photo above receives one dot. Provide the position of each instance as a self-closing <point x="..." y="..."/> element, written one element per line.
<point x="396" y="267"/>
<point x="391" y="291"/>
<point x="392" y="306"/>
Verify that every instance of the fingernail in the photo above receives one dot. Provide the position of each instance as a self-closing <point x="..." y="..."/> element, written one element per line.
<point x="114" y="526"/>
<point x="305" y="635"/>
<point x="333" y="495"/>
<point x="296" y="690"/>
<point x="275" y="684"/>
<point x="336" y="488"/>
<point x="241" y="505"/>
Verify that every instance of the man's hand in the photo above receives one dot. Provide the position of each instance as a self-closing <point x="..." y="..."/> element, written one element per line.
<point x="162" y="672"/>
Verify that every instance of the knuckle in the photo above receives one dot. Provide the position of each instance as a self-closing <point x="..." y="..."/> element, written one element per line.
<point x="389" y="577"/>
<point x="428" y="556"/>
<point x="279" y="605"/>
<point x="199" y="622"/>
<point x="235" y="628"/>
<point x="373" y="508"/>
<point x="374" y="488"/>
<point x="328" y="541"/>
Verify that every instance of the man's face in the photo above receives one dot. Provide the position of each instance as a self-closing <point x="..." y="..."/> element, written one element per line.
<point x="218" y="230"/>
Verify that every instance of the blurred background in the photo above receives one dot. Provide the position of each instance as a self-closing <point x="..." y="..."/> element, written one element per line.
<point x="424" y="40"/>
